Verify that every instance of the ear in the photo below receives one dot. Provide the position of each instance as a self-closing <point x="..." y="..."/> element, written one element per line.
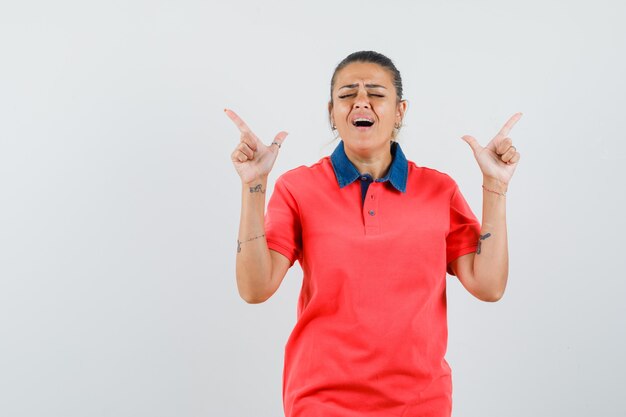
<point x="330" y="113"/>
<point x="400" y="110"/>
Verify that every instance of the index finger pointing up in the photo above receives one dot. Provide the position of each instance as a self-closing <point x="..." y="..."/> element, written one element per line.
<point x="243" y="127"/>
<point x="504" y="132"/>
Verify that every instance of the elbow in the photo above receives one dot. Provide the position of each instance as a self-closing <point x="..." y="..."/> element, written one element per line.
<point x="253" y="286"/>
<point x="492" y="296"/>
<point x="250" y="295"/>
<point x="492" y="292"/>
<point x="254" y="299"/>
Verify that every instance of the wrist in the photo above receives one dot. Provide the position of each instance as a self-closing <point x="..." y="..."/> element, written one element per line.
<point x="261" y="180"/>
<point x="494" y="184"/>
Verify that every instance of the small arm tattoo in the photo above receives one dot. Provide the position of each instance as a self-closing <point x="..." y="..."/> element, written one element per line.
<point x="239" y="242"/>
<point x="480" y="243"/>
<point x="257" y="189"/>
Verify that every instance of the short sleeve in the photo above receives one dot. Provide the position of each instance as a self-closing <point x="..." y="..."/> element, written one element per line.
<point x="464" y="230"/>
<point x="282" y="223"/>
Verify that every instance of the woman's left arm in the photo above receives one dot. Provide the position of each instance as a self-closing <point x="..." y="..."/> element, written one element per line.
<point x="484" y="273"/>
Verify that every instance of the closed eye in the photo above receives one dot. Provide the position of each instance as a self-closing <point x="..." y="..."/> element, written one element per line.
<point x="353" y="95"/>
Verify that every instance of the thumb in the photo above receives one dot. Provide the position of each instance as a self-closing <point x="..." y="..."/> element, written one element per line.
<point x="473" y="143"/>
<point x="278" y="141"/>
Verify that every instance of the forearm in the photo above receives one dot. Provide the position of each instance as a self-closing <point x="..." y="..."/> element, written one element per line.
<point x="254" y="264"/>
<point x="491" y="263"/>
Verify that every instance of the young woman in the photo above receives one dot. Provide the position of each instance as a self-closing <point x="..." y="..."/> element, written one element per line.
<point x="375" y="235"/>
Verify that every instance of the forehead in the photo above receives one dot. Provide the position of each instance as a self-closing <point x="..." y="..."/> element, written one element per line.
<point x="363" y="72"/>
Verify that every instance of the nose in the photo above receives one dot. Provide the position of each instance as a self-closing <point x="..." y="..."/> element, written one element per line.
<point x="361" y="101"/>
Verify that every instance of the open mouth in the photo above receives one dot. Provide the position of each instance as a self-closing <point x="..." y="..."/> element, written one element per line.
<point x="362" y="122"/>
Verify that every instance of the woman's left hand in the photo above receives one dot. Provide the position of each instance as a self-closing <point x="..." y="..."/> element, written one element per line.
<point x="499" y="158"/>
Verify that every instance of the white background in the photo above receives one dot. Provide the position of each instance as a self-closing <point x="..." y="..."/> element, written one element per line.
<point x="119" y="206"/>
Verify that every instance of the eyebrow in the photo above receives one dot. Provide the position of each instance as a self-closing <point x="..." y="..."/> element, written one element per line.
<point x="366" y="86"/>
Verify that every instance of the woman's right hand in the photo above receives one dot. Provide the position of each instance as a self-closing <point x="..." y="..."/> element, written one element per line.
<point x="251" y="158"/>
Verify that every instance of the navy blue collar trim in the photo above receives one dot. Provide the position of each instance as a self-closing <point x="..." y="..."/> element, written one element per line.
<point x="347" y="173"/>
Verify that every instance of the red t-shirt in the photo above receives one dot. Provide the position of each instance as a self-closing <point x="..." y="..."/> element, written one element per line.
<point x="371" y="331"/>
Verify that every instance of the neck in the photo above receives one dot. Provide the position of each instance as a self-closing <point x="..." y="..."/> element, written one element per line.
<point x="376" y="164"/>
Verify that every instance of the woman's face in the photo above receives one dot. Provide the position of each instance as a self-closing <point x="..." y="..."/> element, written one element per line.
<point x="365" y="107"/>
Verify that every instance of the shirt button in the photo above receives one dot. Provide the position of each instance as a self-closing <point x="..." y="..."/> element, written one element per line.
<point x="372" y="212"/>
<point x="364" y="178"/>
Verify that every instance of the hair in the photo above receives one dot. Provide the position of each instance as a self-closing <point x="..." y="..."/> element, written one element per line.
<point x="373" y="58"/>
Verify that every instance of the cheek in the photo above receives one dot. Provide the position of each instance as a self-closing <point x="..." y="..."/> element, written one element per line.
<point x="340" y="112"/>
<point x="385" y="112"/>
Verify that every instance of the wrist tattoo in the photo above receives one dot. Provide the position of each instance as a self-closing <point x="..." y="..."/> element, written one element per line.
<point x="480" y="242"/>
<point x="257" y="189"/>
<point x="239" y="242"/>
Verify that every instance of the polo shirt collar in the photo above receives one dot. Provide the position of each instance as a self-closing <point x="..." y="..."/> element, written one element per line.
<point x="347" y="173"/>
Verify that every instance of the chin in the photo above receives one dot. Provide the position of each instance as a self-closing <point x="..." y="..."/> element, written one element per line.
<point x="365" y="142"/>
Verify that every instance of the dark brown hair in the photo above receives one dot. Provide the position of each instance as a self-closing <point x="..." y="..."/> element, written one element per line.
<point x="374" y="58"/>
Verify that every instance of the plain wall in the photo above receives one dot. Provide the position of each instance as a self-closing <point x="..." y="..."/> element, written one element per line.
<point x="119" y="206"/>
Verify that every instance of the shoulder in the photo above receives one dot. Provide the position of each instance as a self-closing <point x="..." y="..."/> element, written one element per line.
<point x="429" y="177"/>
<point x="305" y="174"/>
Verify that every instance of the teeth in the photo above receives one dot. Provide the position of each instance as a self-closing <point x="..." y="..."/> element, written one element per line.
<point x="356" y="121"/>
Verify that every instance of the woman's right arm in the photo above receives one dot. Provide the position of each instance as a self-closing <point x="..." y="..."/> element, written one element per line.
<point x="259" y="270"/>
